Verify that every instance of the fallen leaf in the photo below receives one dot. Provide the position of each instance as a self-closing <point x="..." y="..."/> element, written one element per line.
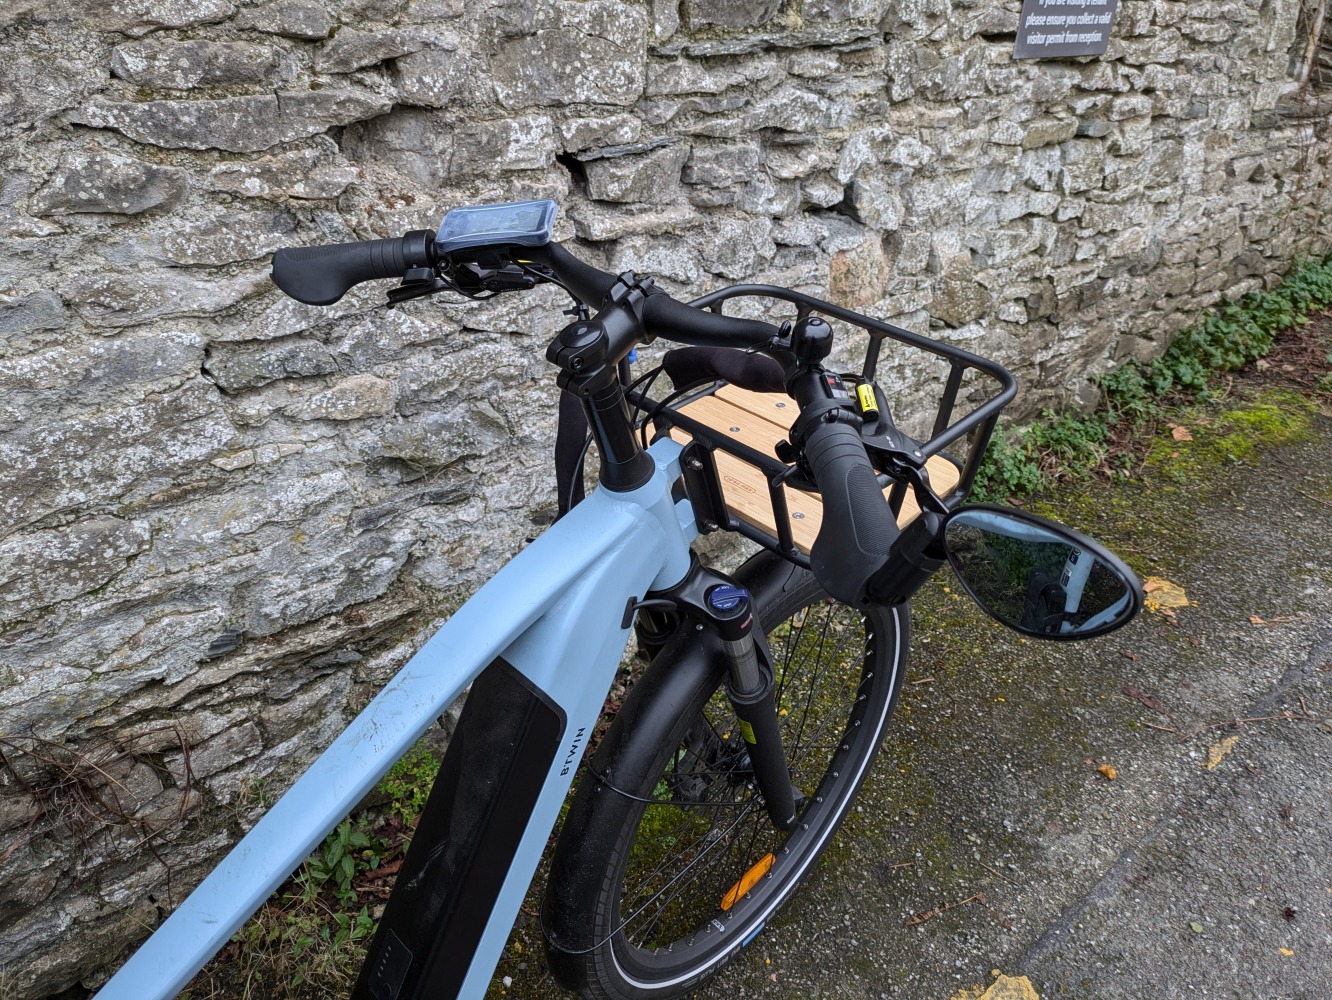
<point x="1217" y="751"/>
<point x="1197" y="927"/>
<point x="1286" y="951"/>
<point x="1181" y="434"/>
<point x="1109" y="771"/>
<point x="1255" y="620"/>
<point x="1146" y="699"/>
<point x="1162" y="595"/>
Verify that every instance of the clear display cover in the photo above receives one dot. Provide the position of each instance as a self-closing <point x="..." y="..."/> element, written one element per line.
<point x="515" y="223"/>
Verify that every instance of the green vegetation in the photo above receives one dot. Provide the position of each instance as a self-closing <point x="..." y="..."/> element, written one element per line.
<point x="310" y="938"/>
<point x="1136" y="395"/>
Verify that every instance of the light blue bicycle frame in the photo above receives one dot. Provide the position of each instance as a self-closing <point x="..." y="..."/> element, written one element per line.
<point x="555" y="613"/>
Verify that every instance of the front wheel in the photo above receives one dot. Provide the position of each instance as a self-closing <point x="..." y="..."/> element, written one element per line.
<point x="668" y="863"/>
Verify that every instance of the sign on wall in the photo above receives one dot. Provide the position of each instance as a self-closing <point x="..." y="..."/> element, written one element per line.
<point x="1055" y="29"/>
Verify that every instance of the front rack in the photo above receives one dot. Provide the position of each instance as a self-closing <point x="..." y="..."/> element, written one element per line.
<point x="738" y="442"/>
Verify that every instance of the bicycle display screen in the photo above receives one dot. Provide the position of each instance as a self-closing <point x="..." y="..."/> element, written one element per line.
<point x="517" y="223"/>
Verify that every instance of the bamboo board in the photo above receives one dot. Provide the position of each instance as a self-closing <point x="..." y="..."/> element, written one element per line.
<point x="759" y="420"/>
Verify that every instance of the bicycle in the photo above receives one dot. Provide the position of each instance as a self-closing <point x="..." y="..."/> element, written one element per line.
<point x="736" y="755"/>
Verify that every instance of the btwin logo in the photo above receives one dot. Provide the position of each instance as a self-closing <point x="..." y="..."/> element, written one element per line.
<point x="573" y="752"/>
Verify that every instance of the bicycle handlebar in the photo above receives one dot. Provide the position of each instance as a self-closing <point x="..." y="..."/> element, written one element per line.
<point x="320" y="275"/>
<point x="858" y="527"/>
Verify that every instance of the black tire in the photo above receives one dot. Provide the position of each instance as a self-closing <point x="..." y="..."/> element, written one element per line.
<point x="634" y="909"/>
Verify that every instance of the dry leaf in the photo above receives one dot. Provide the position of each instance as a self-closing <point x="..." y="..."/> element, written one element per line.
<point x="1286" y="951"/>
<point x="1146" y="699"/>
<point x="1181" y="434"/>
<point x="1216" y="753"/>
<point x="1255" y="620"/>
<point x="1109" y="771"/>
<point x="1162" y="595"/>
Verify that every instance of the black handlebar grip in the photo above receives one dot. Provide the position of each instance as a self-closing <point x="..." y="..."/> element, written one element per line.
<point x="319" y="276"/>
<point x="858" y="527"/>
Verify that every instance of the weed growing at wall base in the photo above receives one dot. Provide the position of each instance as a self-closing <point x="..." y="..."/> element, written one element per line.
<point x="1234" y="335"/>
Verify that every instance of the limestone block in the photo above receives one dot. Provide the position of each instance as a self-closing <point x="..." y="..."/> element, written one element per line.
<point x="298" y="174"/>
<point x="665" y="18"/>
<point x="736" y="249"/>
<point x="877" y="201"/>
<point x="350" y="399"/>
<point x="102" y="456"/>
<point x="910" y="152"/>
<point x="21" y="314"/>
<point x="790" y="164"/>
<point x="99" y="371"/>
<point x="1048" y="132"/>
<point x="838" y="11"/>
<point x="600" y="222"/>
<point x="108" y="183"/>
<point x="350" y="49"/>
<point x="722" y="164"/>
<point x="116" y="300"/>
<point x="435" y="439"/>
<point x="442" y="77"/>
<point x="578" y="134"/>
<point x="590" y="52"/>
<point x="299" y="19"/>
<point x="182" y="65"/>
<point x="867" y="146"/>
<point x="412" y="142"/>
<point x="766" y="196"/>
<point x="859" y="277"/>
<point x="661" y="257"/>
<point x="959" y="298"/>
<point x="683" y="76"/>
<point x="235" y="124"/>
<point x="441" y="375"/>
<point x="647" y="178"/>
<point x="730" y="13"/>
<point x="237" y="367"/>
<point x="234" y="236"/>
<point x="41" y="568"/>
<point x="138" y="17"/>
<point x="1164" y="48"/>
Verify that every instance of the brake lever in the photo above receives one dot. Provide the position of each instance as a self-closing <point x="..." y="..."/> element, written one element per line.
<point x="418" y="283"/>
<point x="898" y="454"/>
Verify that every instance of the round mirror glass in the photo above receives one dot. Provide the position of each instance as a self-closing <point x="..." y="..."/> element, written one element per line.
<point x="1038" y="577"/>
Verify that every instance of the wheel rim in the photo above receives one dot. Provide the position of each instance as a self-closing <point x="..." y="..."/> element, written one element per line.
<point x="685" y="898"/>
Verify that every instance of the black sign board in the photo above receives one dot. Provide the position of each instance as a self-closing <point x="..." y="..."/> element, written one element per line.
<point x="1055" y="29"/>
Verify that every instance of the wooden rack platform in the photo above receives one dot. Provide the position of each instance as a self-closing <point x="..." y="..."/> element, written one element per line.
<point x="760" y="420"/>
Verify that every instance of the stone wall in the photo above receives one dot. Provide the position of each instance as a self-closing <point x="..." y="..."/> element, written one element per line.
<point x="224" y="516"/>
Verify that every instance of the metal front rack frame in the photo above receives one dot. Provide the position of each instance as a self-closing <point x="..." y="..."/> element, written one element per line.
<point x="701" y="478"/>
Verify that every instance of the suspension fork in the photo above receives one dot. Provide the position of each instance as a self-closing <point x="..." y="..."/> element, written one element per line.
<point x="720" y="604"/>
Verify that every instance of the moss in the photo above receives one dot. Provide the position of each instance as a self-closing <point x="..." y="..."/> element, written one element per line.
<point x="1219" y="437"/>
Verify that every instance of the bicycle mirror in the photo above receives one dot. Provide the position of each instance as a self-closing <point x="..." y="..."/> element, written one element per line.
<point x="1038" y="577"/>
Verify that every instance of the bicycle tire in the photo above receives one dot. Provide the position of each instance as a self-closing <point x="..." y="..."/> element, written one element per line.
<point x="692" y="822"/>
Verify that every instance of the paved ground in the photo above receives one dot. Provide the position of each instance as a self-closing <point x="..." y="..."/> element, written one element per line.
<point x="991" y="813"/>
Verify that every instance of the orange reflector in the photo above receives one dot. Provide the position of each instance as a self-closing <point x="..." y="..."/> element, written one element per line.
<point x="747" y="883"/>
